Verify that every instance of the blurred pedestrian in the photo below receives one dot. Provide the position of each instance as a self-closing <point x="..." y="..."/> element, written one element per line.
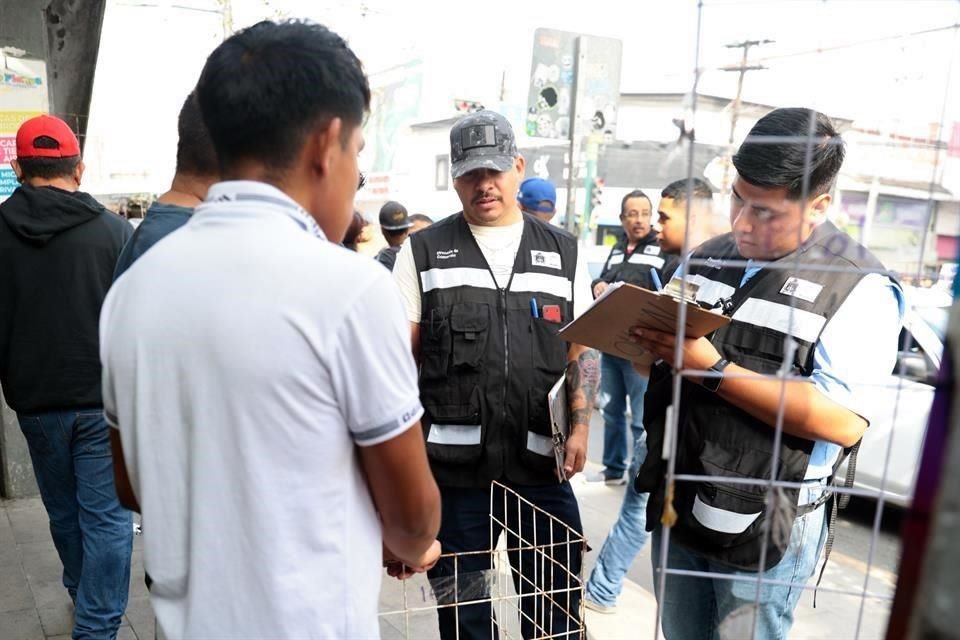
<point x="197" y="168"/>
<point x="355" y="232"/>
<point x="636" y="258"/>
<point x="419" y="222"/>
<point x="395" y="225"/>
<point x="58" y="248"/>
<point x="538" y="197"/>
<point x="628" y="534"/>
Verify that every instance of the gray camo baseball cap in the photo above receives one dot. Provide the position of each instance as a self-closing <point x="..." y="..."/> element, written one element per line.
<point x="482" y="140"/>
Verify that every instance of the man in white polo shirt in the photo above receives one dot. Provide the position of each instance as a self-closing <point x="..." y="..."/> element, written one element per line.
<point x="259" y="376"/>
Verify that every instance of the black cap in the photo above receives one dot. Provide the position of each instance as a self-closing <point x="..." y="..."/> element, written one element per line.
<point x="482" y="140"/>
<point x="393" y="217"/>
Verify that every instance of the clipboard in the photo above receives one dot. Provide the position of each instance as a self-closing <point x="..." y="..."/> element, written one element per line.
<point x="559" y="423"/>
<point x="606" y="325"/>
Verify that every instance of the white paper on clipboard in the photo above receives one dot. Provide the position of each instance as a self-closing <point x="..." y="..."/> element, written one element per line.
<point x="559" y="423"/>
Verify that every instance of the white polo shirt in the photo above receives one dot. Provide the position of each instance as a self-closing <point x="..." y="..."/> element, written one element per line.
<point x="245" y="358"/>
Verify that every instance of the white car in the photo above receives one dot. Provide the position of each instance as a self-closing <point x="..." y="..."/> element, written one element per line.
<point x="900" y="407"/>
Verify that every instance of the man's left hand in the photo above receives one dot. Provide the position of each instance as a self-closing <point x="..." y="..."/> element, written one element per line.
<point x="698" y="353"/>
<point x="576" y="449"/>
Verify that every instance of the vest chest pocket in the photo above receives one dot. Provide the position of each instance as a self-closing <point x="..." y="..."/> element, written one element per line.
<point x="548" y="352"/>
<point x="469" y="326"/>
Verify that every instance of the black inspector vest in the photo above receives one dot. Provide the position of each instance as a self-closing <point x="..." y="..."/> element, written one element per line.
<point x="486" y="363"/>
<point x="725" y="521"/>
<point x="634" y="266"/>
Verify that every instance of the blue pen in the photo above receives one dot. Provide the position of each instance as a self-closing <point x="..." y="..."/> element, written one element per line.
<point x="534" y="309"/>
<point x="656" y="279"/>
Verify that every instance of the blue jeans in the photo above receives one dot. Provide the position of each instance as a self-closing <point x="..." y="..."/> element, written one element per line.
<point x="93" y="534"/>
<point x="698" y="608"/>
<point x="618" y="381"/>
<point x="625" y="540"/>
<point x="467" y="526"/>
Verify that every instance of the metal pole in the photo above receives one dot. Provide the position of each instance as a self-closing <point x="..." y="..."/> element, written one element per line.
<point x="574" y="150"/>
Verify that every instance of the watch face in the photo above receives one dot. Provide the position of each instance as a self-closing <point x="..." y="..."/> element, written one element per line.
<point x="713" y="383"/>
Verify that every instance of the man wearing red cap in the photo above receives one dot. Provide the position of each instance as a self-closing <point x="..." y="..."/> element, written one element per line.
<point x="58" y="248"/>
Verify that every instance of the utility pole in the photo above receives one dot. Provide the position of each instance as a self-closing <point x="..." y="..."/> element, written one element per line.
<point x="226" y="15"/>
<point x="735" y="110"/>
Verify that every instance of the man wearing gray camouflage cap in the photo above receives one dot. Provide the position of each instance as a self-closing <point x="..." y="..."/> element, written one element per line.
<point x="486" y="291"/>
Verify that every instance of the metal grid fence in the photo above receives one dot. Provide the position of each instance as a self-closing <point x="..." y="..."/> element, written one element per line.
<point x="530" y="587"/>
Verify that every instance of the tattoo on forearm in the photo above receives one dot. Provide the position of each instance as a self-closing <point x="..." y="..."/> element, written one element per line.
<point x="583" y="379"/>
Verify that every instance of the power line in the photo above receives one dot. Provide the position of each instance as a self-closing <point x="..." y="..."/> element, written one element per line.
<point x="849" y="45"/>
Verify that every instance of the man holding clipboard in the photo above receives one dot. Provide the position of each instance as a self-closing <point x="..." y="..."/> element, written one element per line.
<point x="796" y="290"/>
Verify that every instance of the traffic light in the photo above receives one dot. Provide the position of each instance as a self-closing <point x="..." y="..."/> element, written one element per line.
<point x="596" y="193"/>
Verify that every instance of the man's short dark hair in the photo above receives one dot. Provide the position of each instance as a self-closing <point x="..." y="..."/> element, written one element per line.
<point x="47" y="168"/>
<point x="420" y="217"/>
<point x="267" y="86"/>
<point x="817" y="151"/>
<point x="679" y="190"/>
<point x="636" y="193"/>
<point x="195" y="153"/>
<point x="394" y="233"/>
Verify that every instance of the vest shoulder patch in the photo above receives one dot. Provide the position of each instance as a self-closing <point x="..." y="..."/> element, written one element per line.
<point x="549" y="259"/>
<point x="800" y="288"/>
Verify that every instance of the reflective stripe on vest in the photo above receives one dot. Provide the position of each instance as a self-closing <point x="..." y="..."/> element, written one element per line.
<point x="543" y="282"/>
<point x="642" y="258"/>
<point x="456" y="277"/>
<point x="454" y="434"/>
<point x="539" y="444"/>
<point x="616" y="258"/>
<point x="781" y="317"/>
<point x="721" y="519"/>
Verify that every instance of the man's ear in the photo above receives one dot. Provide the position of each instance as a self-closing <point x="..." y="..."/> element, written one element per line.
<point x="78" y="172"/>
<point x="817" y="208"/>
<point x="519" y="164"/>
<point x="324" y="145"/>
<point x="16" y="169"/>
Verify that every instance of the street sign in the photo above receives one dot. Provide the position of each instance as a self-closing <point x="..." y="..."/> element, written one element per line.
<point x="574" y="95"/>
<point x="567" y="80"/>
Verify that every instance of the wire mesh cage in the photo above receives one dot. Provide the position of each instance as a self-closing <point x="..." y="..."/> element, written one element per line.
<point x="526" y="585"/>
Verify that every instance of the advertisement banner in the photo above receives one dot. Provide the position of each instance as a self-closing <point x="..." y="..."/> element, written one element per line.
<point x="23" y="94"/>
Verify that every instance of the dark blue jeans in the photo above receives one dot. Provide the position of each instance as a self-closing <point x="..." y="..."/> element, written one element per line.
<point x="93" y="534"/>
<point x="619" y="383"/>
<point x="467" y="525"/>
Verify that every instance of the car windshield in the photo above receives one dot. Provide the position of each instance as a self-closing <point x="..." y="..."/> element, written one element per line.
<point x="936" y="318"/>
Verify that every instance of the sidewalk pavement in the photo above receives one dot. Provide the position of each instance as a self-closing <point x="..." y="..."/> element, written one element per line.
<point x="35" y="606"/>
<point x="33" y="602"/>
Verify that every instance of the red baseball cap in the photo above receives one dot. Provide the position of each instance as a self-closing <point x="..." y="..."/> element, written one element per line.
<point x="62" y="141"/>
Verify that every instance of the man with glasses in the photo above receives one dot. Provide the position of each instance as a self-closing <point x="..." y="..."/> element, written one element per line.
<point x="635" y="258"/>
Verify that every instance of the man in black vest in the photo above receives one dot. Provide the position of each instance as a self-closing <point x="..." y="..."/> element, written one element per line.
<point x="486" y="291"/>
<point x="685" y="213"/>
<point x="635" y="258"/>
<point x="772" y="399"/>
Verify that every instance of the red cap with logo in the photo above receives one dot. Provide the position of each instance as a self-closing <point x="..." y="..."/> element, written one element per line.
<point x="46" y="137"/>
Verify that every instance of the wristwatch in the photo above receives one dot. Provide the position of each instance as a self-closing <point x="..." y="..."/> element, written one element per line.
<point x="713" y="383"/>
